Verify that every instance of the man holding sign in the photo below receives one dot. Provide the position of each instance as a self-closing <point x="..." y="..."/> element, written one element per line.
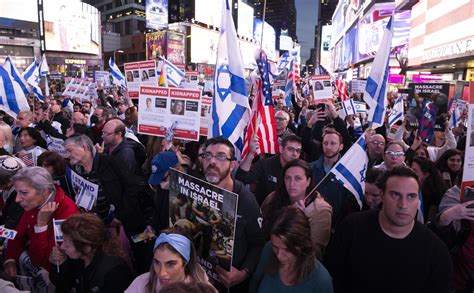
<point x="218" y="163"/>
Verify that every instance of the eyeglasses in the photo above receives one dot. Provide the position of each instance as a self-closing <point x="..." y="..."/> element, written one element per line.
<point x="292" y="150"/>
<point x="280" y="119"/>
<point x="219" y="157"/>
<point x="376" y="142"/>
<point x="394" y="154"/>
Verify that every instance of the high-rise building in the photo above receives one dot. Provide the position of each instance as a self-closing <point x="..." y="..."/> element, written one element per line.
<point x="280" y="14"/>
<point x="326" y="10"/>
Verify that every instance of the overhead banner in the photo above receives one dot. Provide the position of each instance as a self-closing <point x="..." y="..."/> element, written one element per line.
<point x="322" y="88"/>
<point x="155" y="45"/>
<point x="156" y="14"/>
<point x="208" y="213"/>
<point x="162" y="109"/>
<point x="142" y="73"/>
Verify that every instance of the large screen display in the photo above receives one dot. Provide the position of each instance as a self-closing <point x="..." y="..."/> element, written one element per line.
<point x="10" y="9"/>
<point x="71" y="26"/>
<point x="269" y="37"/>
<point x="208" y="11"/>
<point x="204" y="44"/>
<point x="156" y="14"/>
<point x="245" y="20"/>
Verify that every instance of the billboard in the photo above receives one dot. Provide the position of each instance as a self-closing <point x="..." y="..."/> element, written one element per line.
<point x="9" y="9"/>
<point x="269" y="38"/>
<point x="204" y="45"/>
<point x="208" y="11"/>
<point x="71" y="26"/>
<point x="156" y="14"/>
<point x="245" y="20"/>
<point x="325" y="59"/>
<point x="175" y="48"/>
<point x="155" y="45"/>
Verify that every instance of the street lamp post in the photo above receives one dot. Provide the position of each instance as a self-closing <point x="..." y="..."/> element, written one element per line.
<point x="118" y="51"/>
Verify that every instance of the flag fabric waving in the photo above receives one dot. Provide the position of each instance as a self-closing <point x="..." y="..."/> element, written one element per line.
<point x="58" y="233"/>
<point x="174" y="75"/>
<point x="352" y="107"/>
<point x="262" y="123"/>
<point x="230" y="105"/>
<point x="17" y="77"/>
<point x="32" y="75"/>
<point x="44" y="70"/>
<point x="350" y="172"/>
<point x="12" y="98"/>
<point x="375" y="89"/>
<point x="117" y="77"/>
<point x="397" y="112"/>
<point x="289" y="85"/>
<point x="341" y="89"/>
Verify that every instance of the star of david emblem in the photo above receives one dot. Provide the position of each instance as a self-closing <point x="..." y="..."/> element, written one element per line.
<point x="362" y="173"/>
<point x="223" y="81"/>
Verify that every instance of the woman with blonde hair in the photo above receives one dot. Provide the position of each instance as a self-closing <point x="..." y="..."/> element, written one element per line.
<point x="6" y="139"/>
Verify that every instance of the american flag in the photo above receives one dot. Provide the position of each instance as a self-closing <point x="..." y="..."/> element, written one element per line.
<point x="27" y="158"/>
<point x="341" y="89"/>
<point x="263" y="118"/>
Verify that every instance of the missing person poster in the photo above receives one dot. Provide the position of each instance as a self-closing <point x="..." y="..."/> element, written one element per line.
<point x="321" y="86"/>
<point x="467" y="187"/>
<point x="142" y="73"/>
<point x="160" y="108"/>
<point x="85" y="191"/>
<point x="208" y="213"/>
<point x="78" y="89"/>
<point x="206" y="103"/>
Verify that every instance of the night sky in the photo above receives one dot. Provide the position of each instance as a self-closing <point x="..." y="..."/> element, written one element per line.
<point x="305" y="22"/>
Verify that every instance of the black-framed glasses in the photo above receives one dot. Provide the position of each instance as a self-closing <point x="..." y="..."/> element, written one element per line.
<point x="219" y="157"/>
<point x="394" y="154"/>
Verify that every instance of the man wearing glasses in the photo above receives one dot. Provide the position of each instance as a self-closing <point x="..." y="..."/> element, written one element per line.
<point x="375" y="149"/>
<point x="266" y="173"/>
<point x="282" y="118"/>
<point x="218" y="162"/>
<point x="394" y="156"/>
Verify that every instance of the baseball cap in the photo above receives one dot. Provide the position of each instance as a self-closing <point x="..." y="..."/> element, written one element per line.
<point x="160" y="164"/>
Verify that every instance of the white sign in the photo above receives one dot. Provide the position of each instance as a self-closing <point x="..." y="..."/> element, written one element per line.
<point x="467" y="187"/>
<point x="56" y="145"/>
<point x="161" y="108"/>
<point x="358" y="86"/>
<point x="85" y="191"/>
<point x="206" y="104"/>
<point x="138" y="74"/>
<point x="322" y="88"/>
<point x="450" y="50"/>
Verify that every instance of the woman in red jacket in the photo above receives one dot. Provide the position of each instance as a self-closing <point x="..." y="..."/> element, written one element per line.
<point x="42" y="201"/>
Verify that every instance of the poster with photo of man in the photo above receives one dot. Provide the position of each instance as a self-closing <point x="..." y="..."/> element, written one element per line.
<point x="208" y="214"/>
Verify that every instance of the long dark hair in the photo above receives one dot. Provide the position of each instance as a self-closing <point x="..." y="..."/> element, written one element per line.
<point x="442" y="162"/>
<point x="36" y="136"/>
<point x="293" y="228"/>
<point x="280" y="198"/>
<point x="192" y="268"/>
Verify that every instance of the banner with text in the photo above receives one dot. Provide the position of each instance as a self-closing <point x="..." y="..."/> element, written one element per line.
<point x="142" y="73"/>
<point x="161" y="108"/>
<point x="208" y="213"/>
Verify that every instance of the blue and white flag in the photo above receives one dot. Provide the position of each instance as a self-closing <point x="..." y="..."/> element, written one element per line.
<point x="117" y="77"/>
<point x="397" y="112"/>
<point x="289" y="85"/>
<point x="286" y="59"/>
<point x="420" y="216"/>
<point x="456" y="108"/>
<point x="230" y="105"/>
<point x="17" y="77"/>
<point x="44" y="70"/>
<point x="12" y="98"/>
<point x="350" y="172"/>
<point x="306" y="90"/>
<point x="58" y="233"/>
<point x="174" y="75"/>
<point x="32" y="77"/>
<point x="352" y="107"/>
<point x="376" y="87"/>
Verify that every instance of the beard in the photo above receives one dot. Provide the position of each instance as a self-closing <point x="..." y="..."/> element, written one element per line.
<point x="215" y="175"/>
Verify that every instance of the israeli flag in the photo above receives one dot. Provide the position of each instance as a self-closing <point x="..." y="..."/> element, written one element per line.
<point x="456" y="107"/>
<point x="284" y="62"/>
<point x="117" y="76"/>
<point x="350" y="172"/>
<point x="174" y="75"/>
<point x="17" y="77"/>
<point x="58" y="233"/>
<point x="12" y="98"/>
<point x="289" y="85"/>
<point x="375" y="89"/>
<point x="230" y="105"/>
<point x="352" y="107"/>
<point x="397" y="112"/>
<point x="32" y="76"/>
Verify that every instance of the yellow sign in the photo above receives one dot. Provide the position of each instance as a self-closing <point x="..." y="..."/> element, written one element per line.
<point x="75" y="61"/>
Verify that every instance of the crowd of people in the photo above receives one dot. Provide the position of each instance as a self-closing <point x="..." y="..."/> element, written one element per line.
<point x="298" y="229"/>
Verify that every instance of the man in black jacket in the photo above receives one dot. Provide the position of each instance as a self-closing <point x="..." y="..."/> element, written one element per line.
<point x="218" y="163"/>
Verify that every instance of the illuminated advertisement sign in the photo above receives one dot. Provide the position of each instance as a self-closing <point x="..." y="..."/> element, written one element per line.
<point x="175" y="48"/>
<point x="269" y="38"/>
<point x="208" y="11"/>
<point x="71" y="26"/>
<point x="203" y="45"/>
<point x="245" y="20"/>
<point x="325" y="59"/>
<point x="10" y="9"/>
<point x="156" y="14"/>
<point x="155" y="45"/>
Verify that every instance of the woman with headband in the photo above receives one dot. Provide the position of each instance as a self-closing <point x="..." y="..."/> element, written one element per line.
<point x="174" y="260"/>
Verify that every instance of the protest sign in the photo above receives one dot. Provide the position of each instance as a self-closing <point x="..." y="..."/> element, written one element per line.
<point x="56" y="145"/>
<point x="357" y="86"/>
<point x="80" y="89"/>
<point x="102" y="77"/>
<point x="161" y="107"/>
<point x="208" y="213"/>
<point x="142" y="73"/>
<point x="206" y="103"/>
<point x="467" y="186"/>
<point x="85" y="191"/>
<point x="322" y="88"/>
